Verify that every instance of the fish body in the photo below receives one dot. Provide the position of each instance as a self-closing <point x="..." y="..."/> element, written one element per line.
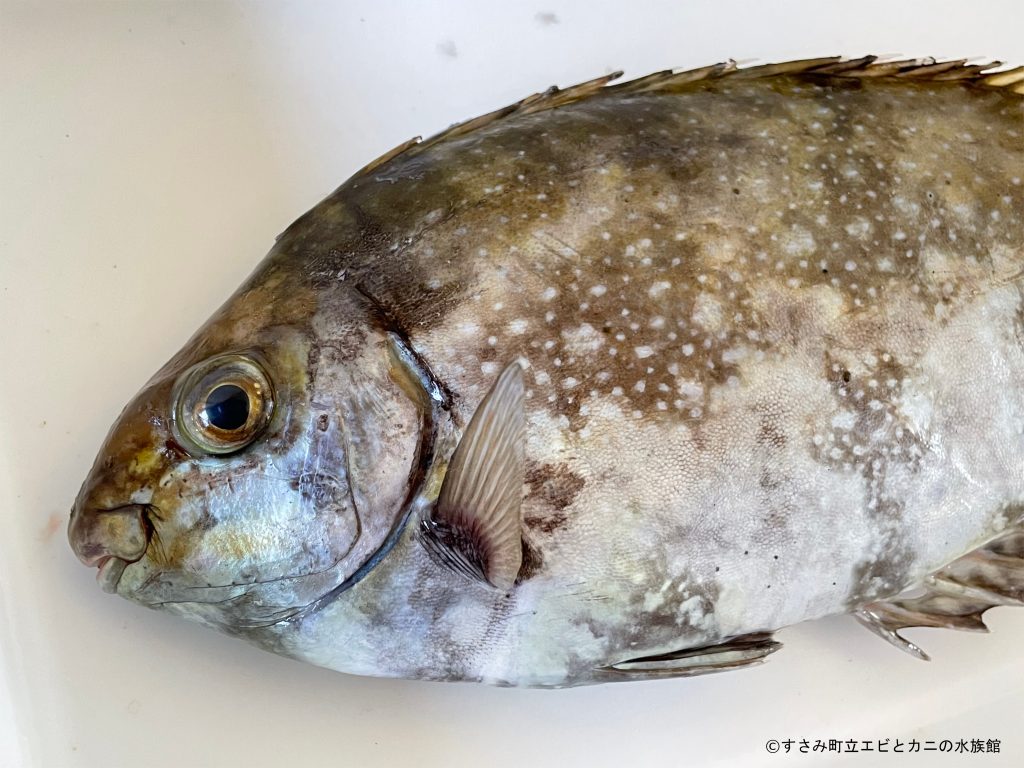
<point x="608" y="385"/>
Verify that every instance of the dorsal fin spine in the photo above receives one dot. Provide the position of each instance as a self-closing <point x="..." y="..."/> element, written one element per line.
<point x="865" y="67"/>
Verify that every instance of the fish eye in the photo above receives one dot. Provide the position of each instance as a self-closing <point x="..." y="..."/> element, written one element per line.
<point x="222" y="405"/>
<point x="226" y="408"/>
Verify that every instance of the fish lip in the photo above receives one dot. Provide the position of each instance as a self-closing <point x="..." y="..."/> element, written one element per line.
<point x="109" y="570"/>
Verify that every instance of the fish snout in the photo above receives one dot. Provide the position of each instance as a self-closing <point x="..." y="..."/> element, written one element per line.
<point x="109" y="539"/>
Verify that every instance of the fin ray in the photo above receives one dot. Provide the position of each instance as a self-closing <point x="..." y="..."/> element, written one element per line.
<point x="983" y="75"/>
<point x="476" y="526"/>
<point x="957" y="595"/>
<point x="735" y="653"/>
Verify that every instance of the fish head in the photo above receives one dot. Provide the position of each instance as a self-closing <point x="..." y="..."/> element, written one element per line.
<point x="268" y="464"/>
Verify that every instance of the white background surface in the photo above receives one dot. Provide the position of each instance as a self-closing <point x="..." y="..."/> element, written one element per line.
<point x="149" y="153"/>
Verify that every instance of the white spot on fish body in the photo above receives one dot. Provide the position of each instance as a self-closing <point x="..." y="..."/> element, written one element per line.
<point x="658" y="288"/>
<point x="582" y="340"/>
<point x="859" y="227"/>
<point x="691" y="390"/>
<point x="708" y="312"/>
<point x="799" y="242"/>
<point x="844" y="420"/>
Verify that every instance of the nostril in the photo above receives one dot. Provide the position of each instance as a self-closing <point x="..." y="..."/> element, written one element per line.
<point x="100" y="534"/>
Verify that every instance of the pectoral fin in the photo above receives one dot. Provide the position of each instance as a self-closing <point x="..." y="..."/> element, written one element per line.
<point x="476" y="527"/>
<point x="734" y="653"/>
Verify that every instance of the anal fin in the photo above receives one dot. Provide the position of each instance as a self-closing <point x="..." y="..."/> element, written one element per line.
<point x="734" y="653"/>
<point x="956" y="595"/>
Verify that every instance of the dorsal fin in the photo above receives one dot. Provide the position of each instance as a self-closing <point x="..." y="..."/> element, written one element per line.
<point x="671" y="81"/>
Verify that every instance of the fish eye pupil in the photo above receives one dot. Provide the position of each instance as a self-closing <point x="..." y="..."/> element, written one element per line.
<point x="227" y="407"/>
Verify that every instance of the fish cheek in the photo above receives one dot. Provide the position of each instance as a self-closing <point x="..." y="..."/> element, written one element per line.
<point x="308" y="530"/>
<point x="252" y="528"/>
<point x="327" y="525"/>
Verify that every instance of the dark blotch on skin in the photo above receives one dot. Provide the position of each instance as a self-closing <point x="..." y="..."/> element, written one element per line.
<point x="204" y="522"/>
<point x="548" y="523"/>
<point x="769" y="434"/>
<point x="556" y="485"/>
<point x="174" y="449"/>
<point x="316" y="487"/>
<point x="533" y="562"/>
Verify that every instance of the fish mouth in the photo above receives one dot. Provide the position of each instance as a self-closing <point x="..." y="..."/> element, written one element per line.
<point x="110" y="539"/>
<point x="108" y="572"/>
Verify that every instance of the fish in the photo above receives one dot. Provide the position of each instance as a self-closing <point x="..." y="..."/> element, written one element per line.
<point x="611" y="384"/>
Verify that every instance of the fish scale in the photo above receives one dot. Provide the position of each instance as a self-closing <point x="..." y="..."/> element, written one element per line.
<point x="609" y="384"/>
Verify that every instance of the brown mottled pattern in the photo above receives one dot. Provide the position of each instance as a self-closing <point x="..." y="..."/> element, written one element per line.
<point x="626" y="245"/>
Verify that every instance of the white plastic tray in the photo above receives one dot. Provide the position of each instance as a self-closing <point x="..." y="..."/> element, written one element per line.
<point x="149" y="153"/>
